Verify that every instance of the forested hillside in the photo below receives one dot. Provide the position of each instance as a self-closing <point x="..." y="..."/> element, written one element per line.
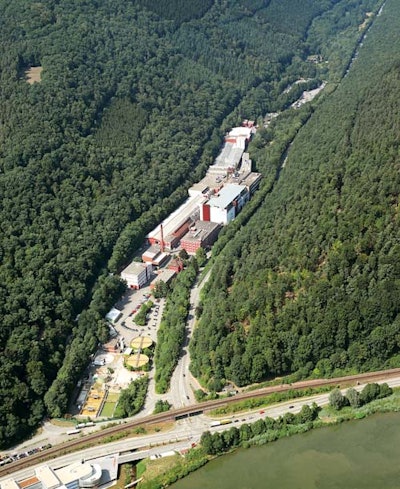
<point x="312" y="283"/>
<point x="132" y="103"/>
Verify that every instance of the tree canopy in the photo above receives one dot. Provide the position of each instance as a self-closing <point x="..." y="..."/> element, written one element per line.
<point x="131" y="107"/>
<point x="310" y="283"/>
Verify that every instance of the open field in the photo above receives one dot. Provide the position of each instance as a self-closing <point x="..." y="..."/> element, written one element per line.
<point x="34" y="74"/>
<point x="108" y="409"/>
<point x="109" y="405"/>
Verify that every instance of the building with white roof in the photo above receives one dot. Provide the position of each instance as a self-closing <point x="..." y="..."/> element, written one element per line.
<point x="228" y="159"/>
<point x="169" y="232"/>
<point x="224" y="207"/>
<point x="165" y="275"/>
<point x="78" y="475"/>
<point x="154" y="256"/>
<point x="86" y="474"/>
<point x="137" y="274"/>
<point x="10" y="484"/>
<point x="113" y="315"/>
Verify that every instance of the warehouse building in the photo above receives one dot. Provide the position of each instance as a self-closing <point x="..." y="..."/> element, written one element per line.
<point x="168" y="234"/>
<point x="201" y="235"/>
<point x="228" y="160"/>
<point x="165" y="275"/>
<point x="226" y="205"/>
<point x="155" y="256"/>
<point x="137" y="274"/>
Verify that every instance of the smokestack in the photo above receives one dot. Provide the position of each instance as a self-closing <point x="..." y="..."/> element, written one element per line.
<point x="162" y="238"/>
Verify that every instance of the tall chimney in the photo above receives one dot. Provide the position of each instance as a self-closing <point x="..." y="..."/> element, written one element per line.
<point x="162" y="238"/>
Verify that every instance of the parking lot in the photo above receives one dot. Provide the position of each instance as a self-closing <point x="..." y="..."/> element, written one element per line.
<point x="107" y="374"/>
<point x="129" y="306"/>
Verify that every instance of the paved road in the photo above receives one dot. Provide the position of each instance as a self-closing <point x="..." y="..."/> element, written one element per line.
<point x="180" y="393"/>
<point x="182" y="381"/>
<point x="188" y="431"/>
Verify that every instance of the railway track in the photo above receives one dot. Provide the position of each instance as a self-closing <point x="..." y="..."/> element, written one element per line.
<point x="99" y="437"/>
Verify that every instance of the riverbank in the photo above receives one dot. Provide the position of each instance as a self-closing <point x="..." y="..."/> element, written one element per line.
<point x="180" y="466"/>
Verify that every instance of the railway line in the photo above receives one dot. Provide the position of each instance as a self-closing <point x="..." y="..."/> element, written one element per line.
<point x="187" y="411"/>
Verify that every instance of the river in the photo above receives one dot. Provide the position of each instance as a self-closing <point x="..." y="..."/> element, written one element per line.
<point x="361" y="454"/>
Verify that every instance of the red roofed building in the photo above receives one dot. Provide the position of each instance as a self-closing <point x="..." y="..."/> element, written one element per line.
<point x="176" y="265"/>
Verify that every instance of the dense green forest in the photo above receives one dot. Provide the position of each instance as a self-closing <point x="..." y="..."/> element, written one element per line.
<point x="131" y="107"/>
<point x="311" y="283"/>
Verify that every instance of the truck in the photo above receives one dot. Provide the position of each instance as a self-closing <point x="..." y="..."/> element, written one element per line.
<point x="220" y="423"/>
<point x="85" y="425"/>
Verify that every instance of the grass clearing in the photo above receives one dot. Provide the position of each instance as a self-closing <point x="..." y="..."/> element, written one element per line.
<point x="62" y="422"/>
<point x="108" y="409"/>
<point x="112" y="397"/>
<point x="268" y="400"/>
<point x="34" y="74"/>
<point x="158" y="467"/>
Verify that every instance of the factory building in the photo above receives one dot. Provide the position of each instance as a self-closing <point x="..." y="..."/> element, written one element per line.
<point x="165" y="275"/>
<point x="154" y="256"/>
<point x="137" y="274"/>
<point x="201" y="235"/>
<point x="215" y="200"/>
<point x="225" y="206"/>
<point x="228" y="160"/>
<point x="168" y="234"/>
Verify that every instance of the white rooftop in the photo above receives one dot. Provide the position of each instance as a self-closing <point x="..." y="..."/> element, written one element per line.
<point x="229" y="157"/>
<point x="75" y="471"/>
<point x="165" y="275"/>
<point x="241" y="132"/>
<point x="226" y="195"/>
<point x="178" y="217"/>
<point x="9" y="484"/>
<point x="47" y="477"/>
<point x="113" y="314"/>
<point x="135" y="268"/>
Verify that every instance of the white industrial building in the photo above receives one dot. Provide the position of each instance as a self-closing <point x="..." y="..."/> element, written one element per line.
<point x="228" y="160"/>
<point x="224" y="207"/>
<point x="137" y="274"/>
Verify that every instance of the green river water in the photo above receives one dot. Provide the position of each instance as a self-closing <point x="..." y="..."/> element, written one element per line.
<point x="362" y="454"/>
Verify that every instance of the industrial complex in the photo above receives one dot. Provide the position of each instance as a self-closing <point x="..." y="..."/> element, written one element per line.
<point x="212" y="203"/>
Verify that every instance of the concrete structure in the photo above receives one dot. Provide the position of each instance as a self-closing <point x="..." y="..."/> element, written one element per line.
<point x="201" y="235"/>
<point x="150" y="254"/>
<point x="176" y="265"/>
<point x="229" y="158"/>
<point x="154" y="256"/>
<point x="251" y="180"/>
<point x="231" y="154"/>
<point x="224" y="207"/>
<point x="47" y="477"/>
<point x="165" y="275"/>
<point x="241" y="132"/>
<point x="74" y="476"/>
<point x="86" y="474"/>
<point x="137" y="274"/>
<point x="113" y="315"/>
<point x="169" y="232"/>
